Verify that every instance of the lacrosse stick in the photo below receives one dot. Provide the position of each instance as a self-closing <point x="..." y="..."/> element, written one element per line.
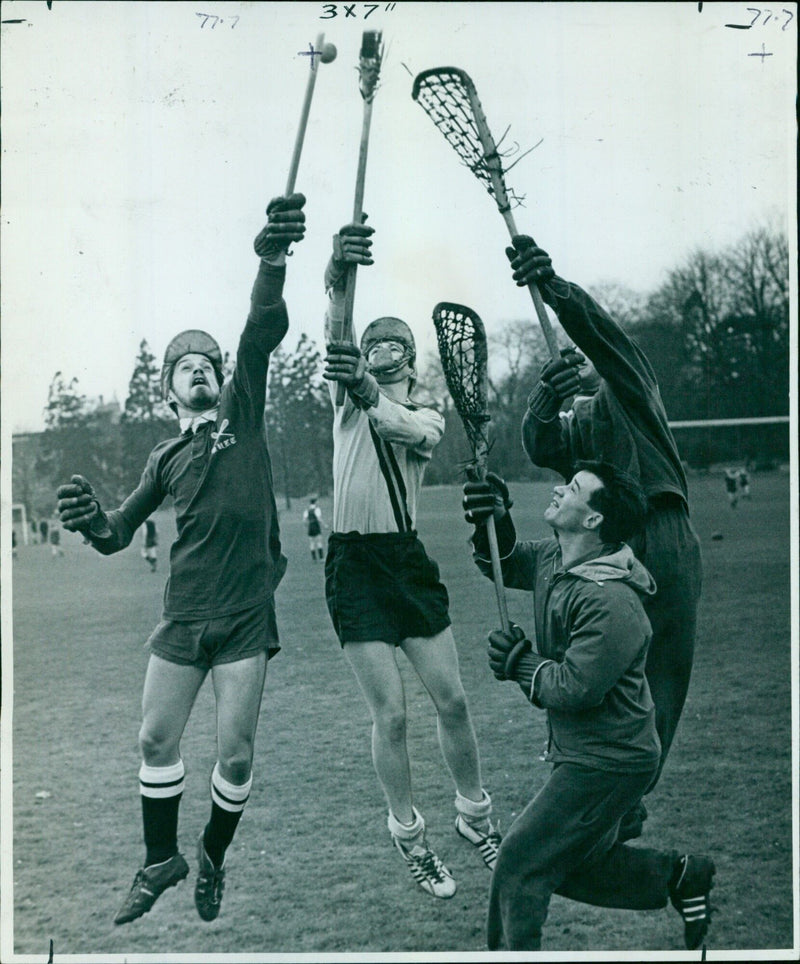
<point x="326" y="54"/>
<point x="369" y="66"/>
<point x="448" y="97"/>
<point x="462" y="349"/>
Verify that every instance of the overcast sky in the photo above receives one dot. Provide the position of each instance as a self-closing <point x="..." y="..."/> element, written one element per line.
<point x="141" y="145"/>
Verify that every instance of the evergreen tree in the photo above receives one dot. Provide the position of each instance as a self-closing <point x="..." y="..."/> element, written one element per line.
<point x="299" y="421"/>
<point x="147" y="419"/>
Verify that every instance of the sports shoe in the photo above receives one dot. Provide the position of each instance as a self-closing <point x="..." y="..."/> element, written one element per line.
<point x="209" y="886"/>
<point x="427" y="869"/>
<point x="690" y="897"/>
<point x="148" y="885"/>
<point x="487" y="843"/>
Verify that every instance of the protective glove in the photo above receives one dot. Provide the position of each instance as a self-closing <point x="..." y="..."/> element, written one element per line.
<point x="484" y="498"/>
<point x="511" y="657"/>
<point x="530" y="263"/>
<point x="79" y="508"/>
<point x="352" y="245"/>
<point x="560" y="380"/>
<point x="285" y="225"/>
<point x="344" y="363"/>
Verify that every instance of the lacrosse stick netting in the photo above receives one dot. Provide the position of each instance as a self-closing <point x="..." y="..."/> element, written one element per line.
<point x="462" y="349"/>
<point x="448" y="97"/>
<point x="461" y="338"/>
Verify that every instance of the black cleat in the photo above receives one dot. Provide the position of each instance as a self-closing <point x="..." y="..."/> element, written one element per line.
<point x="209" y="886"/>
<point x="690" y="897"/>
<point x="149" y="884"/>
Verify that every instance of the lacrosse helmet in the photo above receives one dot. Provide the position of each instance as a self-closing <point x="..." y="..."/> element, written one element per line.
<point x="190" y="342"/>
<point x="390" y="329"/>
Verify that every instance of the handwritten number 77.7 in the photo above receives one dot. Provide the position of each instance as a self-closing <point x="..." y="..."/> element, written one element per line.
<point x="768" y="16"/>
<point x="210" y="16"/>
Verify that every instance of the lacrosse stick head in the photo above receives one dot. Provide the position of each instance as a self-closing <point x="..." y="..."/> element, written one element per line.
<point x="448" y="97"/>
<point x="369" y="63"/>
<point x="461" y="338"/>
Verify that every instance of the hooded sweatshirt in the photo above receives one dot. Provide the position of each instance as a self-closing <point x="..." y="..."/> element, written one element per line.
<point x="592" y="636"/>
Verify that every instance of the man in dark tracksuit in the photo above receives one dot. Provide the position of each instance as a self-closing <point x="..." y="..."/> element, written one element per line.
<point x="588" y="672"/>
<point x="618" y="417"/>
<point x="225" y="564"/>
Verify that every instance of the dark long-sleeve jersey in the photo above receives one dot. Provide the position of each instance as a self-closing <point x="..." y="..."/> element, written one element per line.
<point x="624" y="423"/>
<point x="227" y="554"/>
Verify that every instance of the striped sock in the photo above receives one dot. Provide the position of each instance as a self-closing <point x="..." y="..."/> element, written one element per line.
<point x="161" y="789"/>
<point x="227" y="803"/>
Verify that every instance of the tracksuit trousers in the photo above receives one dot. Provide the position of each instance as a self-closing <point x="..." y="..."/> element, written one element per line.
<point x="565" y="842"/>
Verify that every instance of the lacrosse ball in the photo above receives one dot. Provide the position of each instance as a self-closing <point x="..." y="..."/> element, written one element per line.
<point x="328" y="53"/>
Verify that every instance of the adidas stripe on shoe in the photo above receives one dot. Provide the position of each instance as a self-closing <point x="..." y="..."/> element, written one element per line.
<point x="427" y="869"/>
<point x="690" y="896"/>
<point x="487" y="843"/>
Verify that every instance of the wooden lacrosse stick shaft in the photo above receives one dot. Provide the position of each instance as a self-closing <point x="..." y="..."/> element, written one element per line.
<point x="497" y="574"/>
<point x="494" y="549"/>
<point x="301" y="130"/>
<point x="358" y="212"/>
<point x="536" y="295"/>
<point x="495" y="168"/>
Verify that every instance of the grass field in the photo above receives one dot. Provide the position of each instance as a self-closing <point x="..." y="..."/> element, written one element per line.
<point x="311" y="870"/>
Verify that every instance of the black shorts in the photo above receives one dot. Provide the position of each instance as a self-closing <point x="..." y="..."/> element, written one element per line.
<point x="208" y="642"/>
<point x="383" y="586"/>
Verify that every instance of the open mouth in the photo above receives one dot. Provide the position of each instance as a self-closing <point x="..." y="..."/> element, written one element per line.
<point x="199" y="380"/>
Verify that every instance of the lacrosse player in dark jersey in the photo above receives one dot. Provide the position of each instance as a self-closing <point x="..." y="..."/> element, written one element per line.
<point x="382" y="589"/>
<point x="225" y="564"/>
<point x="617" y="416"/>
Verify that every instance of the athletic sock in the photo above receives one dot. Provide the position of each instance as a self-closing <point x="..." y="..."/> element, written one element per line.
<point x="227" y="803"/>
<point x="161" y="789"/>
<point x="475" y="812"/>
<point x="408" y="834"/>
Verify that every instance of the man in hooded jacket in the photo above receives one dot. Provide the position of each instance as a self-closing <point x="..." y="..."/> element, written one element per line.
<point x="588" y="673"/>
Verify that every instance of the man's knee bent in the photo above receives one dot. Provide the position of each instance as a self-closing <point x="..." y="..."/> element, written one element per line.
<point x="390" y="723"/>
<point x="236" y="769"/>
<point x="158" y="746"/>
<point x="452" y="706"/>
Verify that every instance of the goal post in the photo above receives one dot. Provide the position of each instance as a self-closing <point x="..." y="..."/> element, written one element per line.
<point x="759" y="442"/>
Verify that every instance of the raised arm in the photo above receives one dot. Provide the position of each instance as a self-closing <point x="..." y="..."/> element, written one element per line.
<point x="268" y="321"/>
<point x="616" y="358"/>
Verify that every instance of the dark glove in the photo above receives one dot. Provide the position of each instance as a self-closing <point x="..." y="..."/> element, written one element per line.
<point x="484" y="498"/>
<point x="560" y="379"/>
<point x="344" y="363"/>
<point x="351" y="246"/>
<point x="505" y="651"/>
<point x="285" y="225"/>
<point x="530" y="263"/>
<point x="78" y="506"/>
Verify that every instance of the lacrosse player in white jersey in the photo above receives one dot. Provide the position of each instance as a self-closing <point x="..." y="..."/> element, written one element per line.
<point x="382" y="589"/>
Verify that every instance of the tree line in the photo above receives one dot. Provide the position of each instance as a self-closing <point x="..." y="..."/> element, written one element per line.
<point x="716" y="332"/>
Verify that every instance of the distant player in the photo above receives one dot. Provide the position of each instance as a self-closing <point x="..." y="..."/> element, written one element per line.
<point x="383" y="591"/>
<point x="587" y="671"/>
<point x="744" y="484"/>
<point x="618" y="416"/>
<point x="732" y="487"/>
<point x="54" y="535"/>
<point x="150" y="544"/>
<point x="313" y="520"/>
<point x="225" y="564"/>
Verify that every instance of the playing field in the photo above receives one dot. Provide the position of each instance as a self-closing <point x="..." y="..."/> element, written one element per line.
<point x="311" y="869"/>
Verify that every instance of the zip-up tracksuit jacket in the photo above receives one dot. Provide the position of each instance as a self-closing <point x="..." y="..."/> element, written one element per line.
<point x="592" y="636"/>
